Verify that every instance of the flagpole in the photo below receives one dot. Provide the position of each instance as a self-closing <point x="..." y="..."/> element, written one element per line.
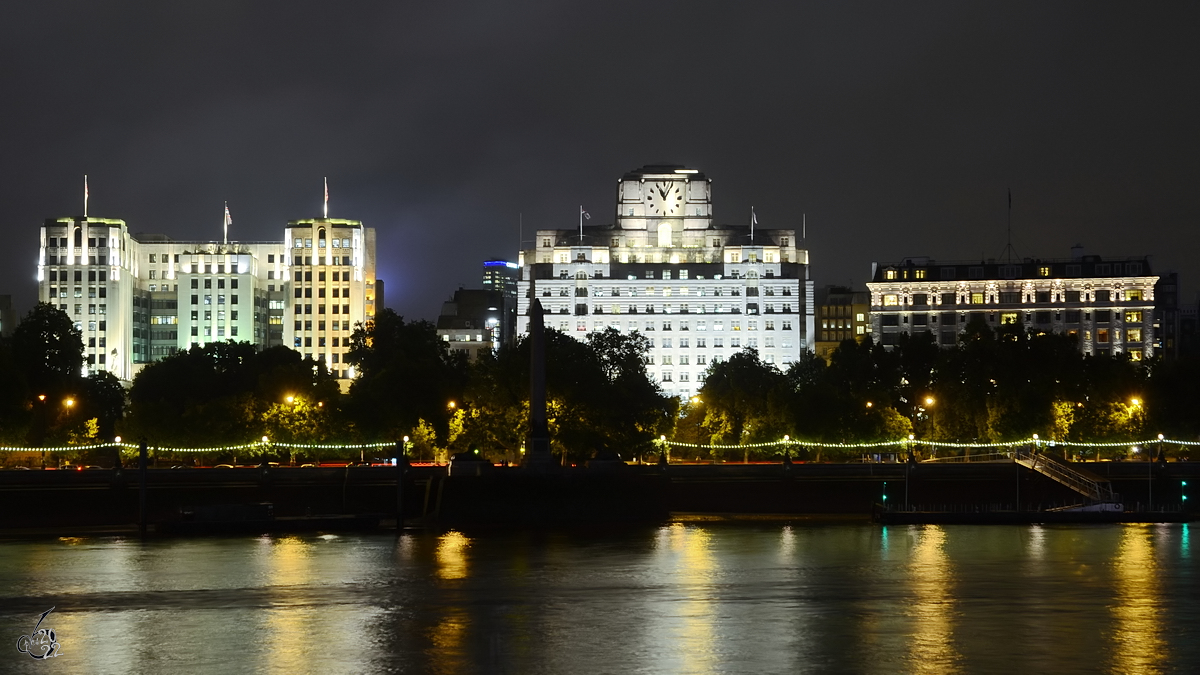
<point x="753" y="220"/>
<point x="581" y="223"/>
<point x="327" y="198"/>
<point x="85" y="196"/>
<point x="226" y="223"/>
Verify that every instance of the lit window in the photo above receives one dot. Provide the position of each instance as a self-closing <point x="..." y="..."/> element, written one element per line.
<point x="1131" y="294"/>
<point x="1102" y="335"/>
<point x="977" y="298"/>
<point x="1044" y="271"/>
<point x="1133" y="335"/>
<point x="889" y="274"/>
<point x="1008" y="318"/>
<point x="1133" y="317"/>
<point x="891" y="299"/>
<point x="919" y="274"/>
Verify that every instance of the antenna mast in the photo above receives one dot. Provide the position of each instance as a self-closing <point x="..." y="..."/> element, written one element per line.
<point x="1010" y="253"/>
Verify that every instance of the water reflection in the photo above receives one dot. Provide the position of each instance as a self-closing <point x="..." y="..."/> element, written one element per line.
<point x="685" y="555"/>
<point x="932" y="647"/>
<point x="452" y="555"/>
<point x="1137" y="621"/>
<point x="685" y="598"/>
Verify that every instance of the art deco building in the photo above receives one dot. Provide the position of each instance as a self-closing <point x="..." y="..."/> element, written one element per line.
<point x="698" y="290"/>
<point x="1106" y="303"/>
<point x="138" y="298"/>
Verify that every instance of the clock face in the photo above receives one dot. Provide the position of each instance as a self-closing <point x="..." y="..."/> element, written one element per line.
<point x="664" y="198"/>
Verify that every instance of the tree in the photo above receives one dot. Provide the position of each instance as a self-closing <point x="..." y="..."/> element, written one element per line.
<point x="741" y="397"/>
<point x="48" y="348"/>
<point x="404" y="373"/>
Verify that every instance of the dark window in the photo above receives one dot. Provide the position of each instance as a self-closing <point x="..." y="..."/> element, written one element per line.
<point x="920" y="299"/>
<point x="1010" y="297"/>
<point x="195" y="283"/>
<point x="891" y="319"/>
<point x="1073" y="296"/>
<point x="949" y="298"/>
<point x="1043" y="296"/>
<point x="195" y="299"/>
<point x="1041" y="317"/>
<point x="1103" y="296"/>
<point x="1073" y="316"/>
<point x="1103" y="316"/>
<point x="947" y="272"/>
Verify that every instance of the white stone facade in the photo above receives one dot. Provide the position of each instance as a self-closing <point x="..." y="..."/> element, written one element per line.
<point x="699" y="291"/>
<point x="1107" y="304"/>
<point x="140" y="298"/>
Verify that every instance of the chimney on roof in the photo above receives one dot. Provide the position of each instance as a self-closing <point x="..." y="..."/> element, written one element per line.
<point x="1077" y="252"/>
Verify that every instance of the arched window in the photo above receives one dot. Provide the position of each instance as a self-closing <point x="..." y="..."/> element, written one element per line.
<point x="321" y="238"/>
<point x="664" y="235"/>
<point x="78" y="237"/>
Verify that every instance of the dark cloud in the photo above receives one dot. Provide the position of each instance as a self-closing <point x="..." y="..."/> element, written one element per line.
<point x="896" y="127"/>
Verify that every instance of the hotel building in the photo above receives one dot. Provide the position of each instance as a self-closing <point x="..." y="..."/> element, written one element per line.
<point x="139" y="298"/>
<point x="699" y="291"/>
<point x="1107" y="304"/>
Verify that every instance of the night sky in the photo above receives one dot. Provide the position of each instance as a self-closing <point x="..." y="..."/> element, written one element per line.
<point x="896" y="127"/>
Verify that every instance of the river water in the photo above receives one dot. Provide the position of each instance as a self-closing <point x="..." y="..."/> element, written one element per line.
<point x="682" y="598"/>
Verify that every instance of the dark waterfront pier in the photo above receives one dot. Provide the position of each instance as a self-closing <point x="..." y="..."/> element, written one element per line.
<point x="364" y="497"/>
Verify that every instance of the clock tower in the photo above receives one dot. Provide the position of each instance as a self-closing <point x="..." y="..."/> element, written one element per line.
<point x="664" y="202"/>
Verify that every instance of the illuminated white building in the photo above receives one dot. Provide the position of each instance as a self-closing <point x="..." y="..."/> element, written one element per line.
<point x="1106" y="303"/>
<point x="699" y="291"/>
<point x="139" y="298"/>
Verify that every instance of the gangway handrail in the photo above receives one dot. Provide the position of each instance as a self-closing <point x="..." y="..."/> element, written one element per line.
<point x="1097" y="490"/>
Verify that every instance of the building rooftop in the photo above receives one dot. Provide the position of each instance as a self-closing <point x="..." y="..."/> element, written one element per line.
<point x="664" y="169"/>
<point x="1026" y="268"/>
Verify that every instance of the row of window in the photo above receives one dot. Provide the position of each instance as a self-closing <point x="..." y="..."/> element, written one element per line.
<point x="308" y="309"/>
<point x="92" y="309"/>
<point x="1017" y="297"/>
<point x="321" y="342"/>
<point x="1133" y="317"/>
<point x="308" y="243"/>
<point x="93" y="292"/>
<point x="321" y="260"/>
<point x="666" y="325"/>
<point x="208" y="282"/>
<point x="1016" y="271"/>
<point x="208" y="331"/>
<point x="308" y="292"/>
<point x="77" y="275"/>
<point x="751" y="308"/>
<point x="333" y="325"/>
<point x="233" y="299"/>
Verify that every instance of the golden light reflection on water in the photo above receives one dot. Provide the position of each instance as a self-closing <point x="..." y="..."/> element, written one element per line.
<point x="451" y="555"/>
<point x="688" y="558"/>
<point x="932" y="649"/>
<point x="1138" y="645"/>
<point x="447" y="638"/>
<point x="288" y="563"/>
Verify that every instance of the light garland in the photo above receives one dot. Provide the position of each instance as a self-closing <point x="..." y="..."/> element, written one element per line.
<point x="939" y="444"/>
<point x="674" y="444"/>
<point x="223" y="448"/>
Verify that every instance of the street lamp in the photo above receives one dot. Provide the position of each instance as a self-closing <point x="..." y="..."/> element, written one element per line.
<point x="69" y="402"/>
<point x="290" y="399"/>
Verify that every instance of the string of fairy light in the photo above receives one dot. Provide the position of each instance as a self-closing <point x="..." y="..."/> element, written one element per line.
<point x="260" y="446"/>
<point x="788" y="443"/>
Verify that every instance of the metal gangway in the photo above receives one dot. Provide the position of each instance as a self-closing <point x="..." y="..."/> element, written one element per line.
<point x="1098" y="490"/>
